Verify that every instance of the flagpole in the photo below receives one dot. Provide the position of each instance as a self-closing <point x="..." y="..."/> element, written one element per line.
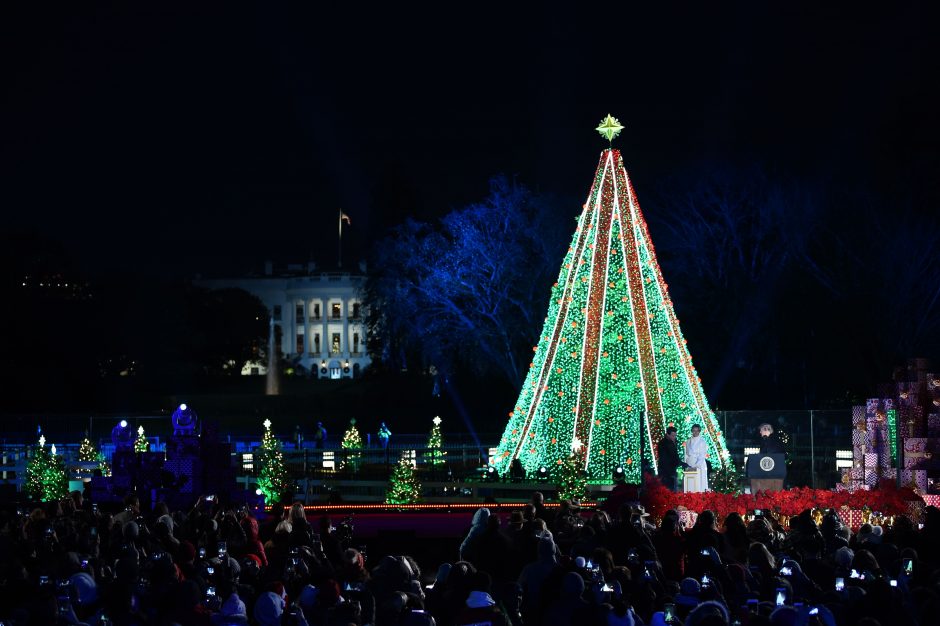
<point x="339" y="261"/>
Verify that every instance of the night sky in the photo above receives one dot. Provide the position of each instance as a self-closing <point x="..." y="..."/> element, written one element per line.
<point x="202" y="138"/>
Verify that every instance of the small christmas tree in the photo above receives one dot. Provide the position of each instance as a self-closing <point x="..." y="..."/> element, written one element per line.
<point x="45" y="474"/>
<point x="273" y="480"/>
<point x="352" y="440"/>
<point x="570" y="477"/>
<point x="435" y="442"/>
<point x="403" y="485"/>
<point x="141" y="444"/>
<point x="86" y="451"/>
<point x="725" y="480"/>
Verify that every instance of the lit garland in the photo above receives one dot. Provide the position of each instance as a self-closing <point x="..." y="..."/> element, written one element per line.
<point x="611" y="367"/>
<point x="403" y="486"/>
<point x="435" y="442"/>
<point x="141" y="444"/>
<point x="352" y="440"/>
<point x="46" y="477"/>
<point x="273" y="480"/>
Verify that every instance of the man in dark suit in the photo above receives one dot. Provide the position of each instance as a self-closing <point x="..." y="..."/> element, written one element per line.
<point x="769" y="443"/>
<point x="669" y="459"/>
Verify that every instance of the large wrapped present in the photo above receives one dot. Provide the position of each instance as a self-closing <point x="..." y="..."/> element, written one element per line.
<point x="933" y="425"/>
<point x="931" y="499"/>
<point x="860" y="440"/>
<point x="915" y="479"/>
<point x="858" y="416"/>
<point x="853" y="518"/>
<point x="921" y="453"/>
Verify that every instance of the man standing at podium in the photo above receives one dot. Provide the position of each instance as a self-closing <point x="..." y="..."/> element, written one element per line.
<point x="695" y="450"/>
<point x="768" y="443"/>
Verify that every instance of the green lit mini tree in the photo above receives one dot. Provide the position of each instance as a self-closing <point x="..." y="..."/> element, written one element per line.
<point x="141" y="444"/>
<point x="403" y="486"/>
<point x="610" y="368"/>
<point x="273" y="479"/>
<point x="436" y="453"/>
<point x="569" y="476"/>
<point x="352" y="443"/>
<point x="46" y="477"/>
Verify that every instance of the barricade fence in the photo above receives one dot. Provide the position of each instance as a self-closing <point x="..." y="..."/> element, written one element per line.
<point x="816" y="442"/>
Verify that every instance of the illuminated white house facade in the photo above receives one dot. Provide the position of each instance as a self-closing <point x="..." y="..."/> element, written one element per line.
<point x="318" y="316"/>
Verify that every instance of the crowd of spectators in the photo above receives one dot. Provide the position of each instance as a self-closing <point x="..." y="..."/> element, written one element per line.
<point x="68" y="563"/>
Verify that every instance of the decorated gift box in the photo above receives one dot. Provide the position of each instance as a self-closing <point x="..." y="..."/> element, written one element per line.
<point x="915" y="479"/>
<point x="931" y="499"/>
<point x="933" y="425"/>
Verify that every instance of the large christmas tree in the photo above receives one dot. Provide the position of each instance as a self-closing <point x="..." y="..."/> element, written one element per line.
<point x="611" y="369"/>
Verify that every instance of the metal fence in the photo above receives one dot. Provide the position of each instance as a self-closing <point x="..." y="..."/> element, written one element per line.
<point x="814" y="437"/>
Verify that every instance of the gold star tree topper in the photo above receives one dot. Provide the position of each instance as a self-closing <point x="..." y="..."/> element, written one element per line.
<point x="609" y="127"/>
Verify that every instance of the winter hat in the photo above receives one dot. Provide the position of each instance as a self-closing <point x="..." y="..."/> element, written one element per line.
<point x="784" y="616"/>
<point x="579" y="562"/>
<point x="876" y="534"/>
<point x="688" y="592"/>
<point x="167" y="521"/>
<point x="234" y="607"/>
<point x="131" y="530"/>
<point x="86" y="590"/>
<point x="268" y="609"/>
<point x="308" y="596"/>
<point x="844" y="557"/>
<point x="442" y="571"/>
<point x="254" y="558"/>
<point x="705" y="610"/>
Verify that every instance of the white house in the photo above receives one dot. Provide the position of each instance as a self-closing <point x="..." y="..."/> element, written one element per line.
<point x="318" y="315"/>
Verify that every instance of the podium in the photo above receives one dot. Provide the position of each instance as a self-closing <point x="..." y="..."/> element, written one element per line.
<point x="691" y="481"/>
<point x="766" y="471"/>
